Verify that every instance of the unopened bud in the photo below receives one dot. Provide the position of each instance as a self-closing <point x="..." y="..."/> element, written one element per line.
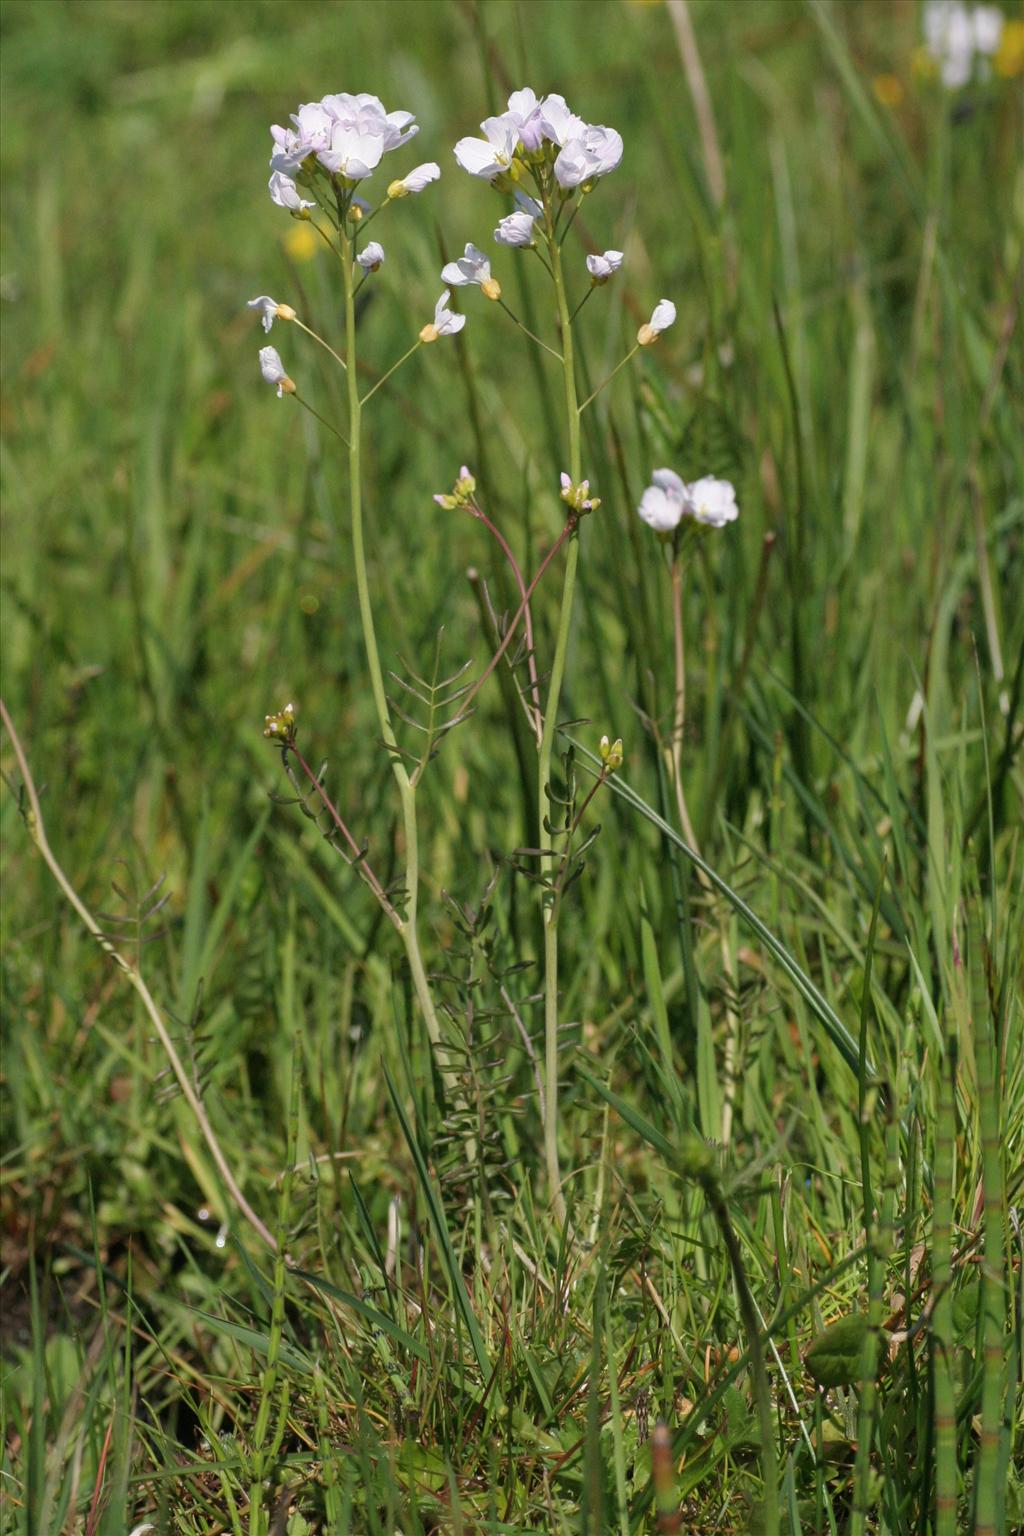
<point x="491" y="289"/>
<point x="355" y="213"/>
<point x="611" y="753"/>
<point x="281" y="727"/>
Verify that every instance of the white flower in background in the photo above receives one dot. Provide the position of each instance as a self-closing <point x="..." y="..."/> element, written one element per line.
<point x="953" y="34"/>
<point x="664" y="315"/>
<point x="601" y="267"/>
<point x="517" y="228"/>
<point x="271" y="310"/>
<point x="489" y="156"/>
<point x="445" y="322"/>
<point x="668" y="499"/>
<point x="419" y="177"/>
<point x="473" y="267"/>
<point x="712" y="502"/>
<point x="285" y="193"/>
<point x="591" y="154"/>
<point x="664" y="503"/>
<point x="273" y="371"/>
<point x="988" y="22"/>
<point x="371" y="259"/>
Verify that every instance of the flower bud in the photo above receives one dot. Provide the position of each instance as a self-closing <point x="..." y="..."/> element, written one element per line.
<point x="281" y="727"/>
<point x="611" y="753"/>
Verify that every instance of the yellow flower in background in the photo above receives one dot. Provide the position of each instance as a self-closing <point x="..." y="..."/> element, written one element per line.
<point x="888" y="90"/>
<point x="1008" y="58"/>
<point x="300" y="242"/>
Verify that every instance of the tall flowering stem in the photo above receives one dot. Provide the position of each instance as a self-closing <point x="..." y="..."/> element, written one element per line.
<point x="406" y="788"/>
<point x="551" y="904"/>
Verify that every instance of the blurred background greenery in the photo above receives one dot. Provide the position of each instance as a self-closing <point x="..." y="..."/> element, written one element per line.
<point x="175" y="566"/>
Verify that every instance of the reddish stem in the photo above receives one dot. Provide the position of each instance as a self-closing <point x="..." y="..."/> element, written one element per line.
<point x="506" y="642"/>
<point x="336" y="817"/>
<point x="537" y="715"/>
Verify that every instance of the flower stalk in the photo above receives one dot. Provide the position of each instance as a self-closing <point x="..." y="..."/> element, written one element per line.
<point x="407" y="926"/>
<point x="551" y="904"/>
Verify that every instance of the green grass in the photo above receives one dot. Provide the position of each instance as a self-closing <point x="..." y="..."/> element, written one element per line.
<point x="839" y="993"/>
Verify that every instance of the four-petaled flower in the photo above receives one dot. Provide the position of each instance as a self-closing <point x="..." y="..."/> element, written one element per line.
<point x="370" y="259"/>
<point x="489" y="156"/>
<point x="664" y="315"/>
<point x="472" y="267"/>
<point x="285" y="193"/>
<point x="591" y="154"/>
<point x="517" y="228"/>
<point x="419" y="177"/>
<point x="712" y="502"/>
<point x="601" y="267"/>
<point x="663" y="504"/>
<point x="271" y="310"/>
<point x="445" y="322"/>
<point x="273" y="371"/>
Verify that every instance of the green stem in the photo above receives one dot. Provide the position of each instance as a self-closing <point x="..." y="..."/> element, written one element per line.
<point x="944" y="1391"/>
<point x="326" y="345"/>
<point x="393" y="369"/>
<point x="526" y="331"/>
<point x="618" y="366"/>
<point x="406" y="789"/>
<point x="547" y="745"/>
<point x="989" y="1497"/>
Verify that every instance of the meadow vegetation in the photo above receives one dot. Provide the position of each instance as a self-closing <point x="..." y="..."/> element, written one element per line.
<point x="763" y="1272"/>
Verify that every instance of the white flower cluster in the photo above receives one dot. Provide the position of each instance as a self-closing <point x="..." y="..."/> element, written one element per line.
<point x="542" y="129"/>
<point x="669" y="499"/>
<point x="345" y="136"/>
<point x="956" y="35"/>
